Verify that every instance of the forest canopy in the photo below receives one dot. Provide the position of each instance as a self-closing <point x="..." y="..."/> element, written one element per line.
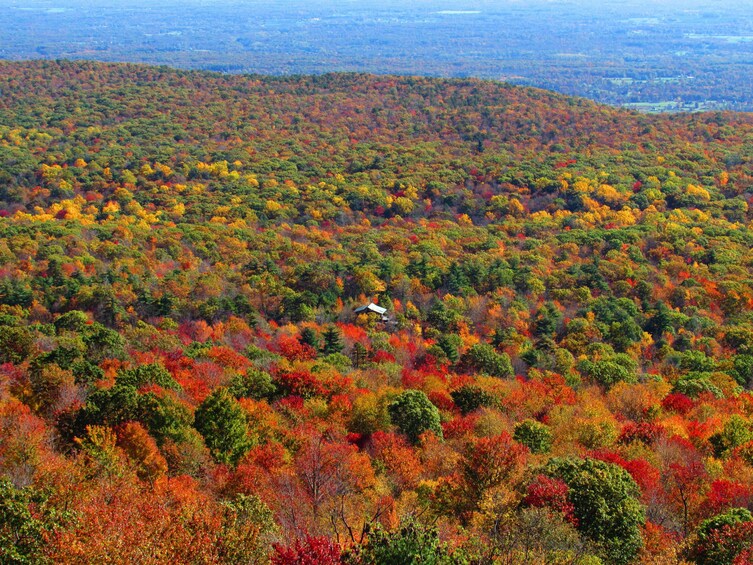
<point x="562" y="374"/>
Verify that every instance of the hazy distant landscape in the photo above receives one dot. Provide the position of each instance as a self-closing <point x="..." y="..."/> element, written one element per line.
<point x="665" y="57"/>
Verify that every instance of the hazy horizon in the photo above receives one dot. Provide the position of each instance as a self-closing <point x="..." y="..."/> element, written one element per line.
<point x="669" y="54"/>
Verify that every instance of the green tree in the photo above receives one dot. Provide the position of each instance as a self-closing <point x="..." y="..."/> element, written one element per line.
<point x="310" y="337"/>
<point x="607" y="504"/>
<point x="151" y="374"/>
<point x="223" y="425"/>
<point x="75" y="321"/>
<point x="727" y="518"/>
<point x="534" y="435"/>
<point x="660" y="321"/>
<point x="86" y="373"/>
<point x="16" y="344"/>
<point x="449" y="344"/>
<point x="608" y="372"/>
<point x="333" y="342"/>
<point x="736" y="432"/>
<point x="410" y="543"/>
<point x="102" y="343"/>
<point x="254" y="383"/>
<point x="695" y="361"/>
<point x="443" y="318"/>
<point x="414" y="414"/>
<point x="471" y="397"/>
<point x="743" y="369"/>
<point x="165" y="417"/>
<point x="483" y="358"/>
<point x="21" y="530"/>
<point x="547" y="319"/>
<point x="714" y="546"/>
<point x="109" y="407"/>
<point x="694" y="384"/>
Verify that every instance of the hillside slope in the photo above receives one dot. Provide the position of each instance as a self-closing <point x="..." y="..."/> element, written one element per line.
<point x="565" y="371"/>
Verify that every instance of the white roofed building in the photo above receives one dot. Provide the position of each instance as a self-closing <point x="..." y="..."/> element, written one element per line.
<point x="372" y="308"/>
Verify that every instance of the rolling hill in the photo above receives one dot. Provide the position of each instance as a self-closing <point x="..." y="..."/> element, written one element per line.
<point x="565" y="371"/>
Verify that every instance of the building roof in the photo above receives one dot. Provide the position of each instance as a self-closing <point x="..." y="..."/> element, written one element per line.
<point x="371" y="307"/>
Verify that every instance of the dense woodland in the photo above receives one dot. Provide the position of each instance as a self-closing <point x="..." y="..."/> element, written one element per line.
<point x="565" y="377"/>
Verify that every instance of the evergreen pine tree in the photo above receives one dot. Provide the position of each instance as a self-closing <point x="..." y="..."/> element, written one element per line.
<point x="222" y="423"/>
<point x="332" y="341"/>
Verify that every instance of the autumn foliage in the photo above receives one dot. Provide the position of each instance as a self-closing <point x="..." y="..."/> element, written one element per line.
<point x="563" y="370"/>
